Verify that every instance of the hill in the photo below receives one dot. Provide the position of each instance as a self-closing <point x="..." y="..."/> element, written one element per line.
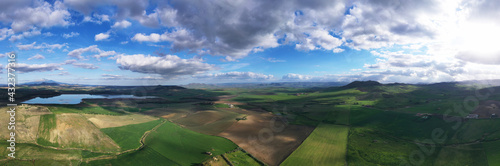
<point x="43" y="82"/>
<point x="357" y="84"/>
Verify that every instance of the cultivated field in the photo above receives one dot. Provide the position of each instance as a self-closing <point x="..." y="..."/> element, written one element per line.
<point x="357" y="124"/>
<point x="106" y="121"/>
<point x="325" y="146"/>
<point x="73" y="131"/>
<point x="492" y="150"/>
<point x="129" y="136"/>
<point x="272" y="149"/>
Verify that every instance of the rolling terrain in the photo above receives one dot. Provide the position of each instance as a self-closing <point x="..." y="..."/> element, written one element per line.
<point x="362" y="123"/>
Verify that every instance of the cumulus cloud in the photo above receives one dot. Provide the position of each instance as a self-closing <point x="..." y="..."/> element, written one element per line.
<point x="296" y="77"/>
<point x="37" y="56"/>
<point x="26" y="15"/>
<point x="5" y="32"/>
<point x="80" y="65"/>
<point x="120" y="77"/>
<point x="104" y="54"/>
<point x="85" y="65"/>
<point x="102" y="36"/>
<point x="97" y="18"/>
<point x="168" y="66"/>
<point x="47" y="47"/>
<point x="63" y="73"/>
<point x="26" y="68"/>
<point x="70" y="35"/>
<point x="77" y="53"/>
<point x="273" y="60"/>
<point x="111" y="77"/>
<point x="240" y="28"/>
<point x="33" y="32"/>
<point x="121" y="24"/>
<point x="235" y="76"/>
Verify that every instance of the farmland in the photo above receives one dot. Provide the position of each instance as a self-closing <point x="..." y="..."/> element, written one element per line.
<point x="363" y="123"/>
<point x="128" y="137"/>
<point x="325" y="146"/>
<point x="492" y="150"/>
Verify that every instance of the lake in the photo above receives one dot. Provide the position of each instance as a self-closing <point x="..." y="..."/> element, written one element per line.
<point x="77" y="98"/>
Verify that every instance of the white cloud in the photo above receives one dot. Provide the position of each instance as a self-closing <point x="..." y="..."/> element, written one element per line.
<point x="33" y="32"/>
<point x="102" y="36"/>
<point x="121" y="24"/>
<point x="63" y="73"/>
<point x="273" y="60"/>
<point x="77" y="53"/>
<point x="235" y="76"/>
<point x="85" y="65"/>
<point x="296" y="77"/>
<point x="70" y="35"/>
<point x="5" y="32"/>
<point x="140" y="37"/>
<point x="168" y="66"/>
<point x="338" y="50"/>
<point x="37" y="56"/>
<point x="104" y="54"/>
<point x="48" y="34"/>
<point x="97" y="18"/>
<point x="120" y="77"/>
<point x="26" y="68"/>
<point x="79" y="64"/>
<point x="41" y="14"/>
<point x="48" y="47"/>
<point x="111" y="77"/>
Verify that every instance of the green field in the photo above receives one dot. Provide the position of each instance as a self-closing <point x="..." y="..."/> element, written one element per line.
<point x="240" y="158"/>
<point x="462" y="155"/>
<point x="325" y="146"/>
<point x="184" y="146"/>
<point x="36" y="153"/>
<point x="175" y="145"/>
<point x="82" y="110"/>
<point x="47" y="123"/>
<point x="145" y="156"/>
<point x="492" y="150"/>
<point x="128" y="137"/>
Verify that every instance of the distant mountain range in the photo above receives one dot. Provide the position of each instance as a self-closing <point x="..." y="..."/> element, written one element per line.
<point x="47" y="82"/>
<point x="44" y="82"/>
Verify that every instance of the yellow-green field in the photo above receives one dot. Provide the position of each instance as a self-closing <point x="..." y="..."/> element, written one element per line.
<point x="492" y="150"/>
<point x="107" y="121"/>
<point x="325" y="146"/>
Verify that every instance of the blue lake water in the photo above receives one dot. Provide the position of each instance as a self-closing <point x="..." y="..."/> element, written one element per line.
<point x="77" y="98"/>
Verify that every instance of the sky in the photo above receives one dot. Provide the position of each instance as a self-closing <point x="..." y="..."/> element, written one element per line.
<point x="171" y="42"/>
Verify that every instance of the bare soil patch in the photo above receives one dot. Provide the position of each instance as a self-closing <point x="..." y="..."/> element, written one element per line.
<point x="487" y="108"/>
<point x="257" y="137"/>
<point x="75" y="131"/>
<point x="107" y="121"/>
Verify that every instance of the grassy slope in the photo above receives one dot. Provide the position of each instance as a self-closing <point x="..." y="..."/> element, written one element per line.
<point x="325" y="146"/>
<point x="492" y="150"/>
<point x="145" y="156"/>
<point x="82" y="110"/>
<point x="34" y="152"/>
<point x="172" y="145"/>
<point x="240" y="158"/>
<point x="47" y="124"/>
<point x="184" y="146"/>
<point x="462" y="155"/>
<point x="128" y="137"/>
<point x="386" y="138"/>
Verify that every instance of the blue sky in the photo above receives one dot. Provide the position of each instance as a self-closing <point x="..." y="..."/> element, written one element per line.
<point x="129" y="42"/>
